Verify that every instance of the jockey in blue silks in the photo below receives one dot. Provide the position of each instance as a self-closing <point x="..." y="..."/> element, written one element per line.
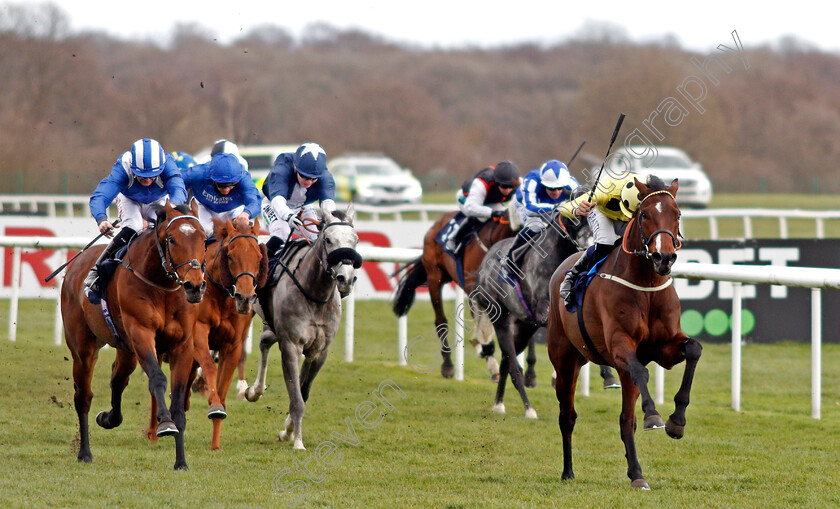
<point x="294" y="183"/>
<point x="223" y="189"/>
<point x="541" y="190"/>
<point x="141" y="178"/>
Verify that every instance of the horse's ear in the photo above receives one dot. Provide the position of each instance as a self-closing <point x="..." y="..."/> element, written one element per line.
<point x="350" y="214"/>
<point x="160" y="213"/>
<point x="326" y="215"/>
<point x="674" y="186"/>
<point x="255" y="229"/>
<point x="643" y="188"/>
<point x="194" y="207"/>
<point x="219" y="228"/>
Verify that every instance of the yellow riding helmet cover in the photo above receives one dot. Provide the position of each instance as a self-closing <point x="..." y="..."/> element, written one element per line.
<point x="630" y="198"/>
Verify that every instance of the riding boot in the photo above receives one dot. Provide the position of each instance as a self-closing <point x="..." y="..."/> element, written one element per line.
<point x="456" y="236"/>
<point x="91" y="285"/>
<point x="512" y="262"/>
<point x="453" y="236"/>
<point x="571" y="276"/>
<point x="273" y="246"/>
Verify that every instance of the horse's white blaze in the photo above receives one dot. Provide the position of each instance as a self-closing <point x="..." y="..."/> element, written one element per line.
<point x="658" y="243"/>
<point x="187" y="229"/>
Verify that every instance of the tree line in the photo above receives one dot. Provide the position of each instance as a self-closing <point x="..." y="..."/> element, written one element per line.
<point x="73" y="102"/>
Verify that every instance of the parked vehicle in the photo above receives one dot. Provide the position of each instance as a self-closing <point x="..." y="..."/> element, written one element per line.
<point x="670" y="163"/>
<point x="373" y="178"/>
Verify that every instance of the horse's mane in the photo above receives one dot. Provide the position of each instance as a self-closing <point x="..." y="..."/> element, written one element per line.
<point x="655" y="183"/>
<point x="340" y="215"/>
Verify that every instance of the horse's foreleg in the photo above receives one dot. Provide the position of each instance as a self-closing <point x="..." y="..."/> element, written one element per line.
<point x="242" y="382"/>
<point x="83" y="363"/>
<point x="610" y="381"/>
<point x="201" y="353"/>
<point x="530" y="372"/>
<point x="627" y="361"/>
<point x="484" y="345"/>
<point x="509" y="336"/>
<point x="267" y="339"/>
<point x="143" y="341"/>
<point x="180" y="365"/>
<point x="122" y="368"/>
<point x="291" y="374"/>
<point x="229" y="356"/>
<point x="447" y="369"/>
<point x="309" y="371"/>
<point x="627" y="424"/>
<point x="567" y="362"/>
<point x="675" y="427"/>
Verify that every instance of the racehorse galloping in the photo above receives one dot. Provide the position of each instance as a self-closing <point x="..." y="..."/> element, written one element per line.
<point x="237" y="266"/>
<point x="150" y="314"/>
<point x="631" y="316"/>
<point x="305" y="310"/>
<point x="436" y="267"/>
<point x="516" y="314"/>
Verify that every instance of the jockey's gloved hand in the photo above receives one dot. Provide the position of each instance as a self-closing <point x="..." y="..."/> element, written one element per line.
<point x="106" y="227"/>
<point x="294" y="221"/>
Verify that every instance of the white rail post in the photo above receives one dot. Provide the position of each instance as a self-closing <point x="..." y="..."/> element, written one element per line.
<point x="736" y="346"/>
<point x="659" y="391"/>
<point x="402" y="339"/>
<point x="13" y="304"/>
<point x="816" y="353"/>
<point x="59" y="324"/>
<point x="349" y="324"/>
<point x="584" y="379"/>
<point x="459" y="333"/>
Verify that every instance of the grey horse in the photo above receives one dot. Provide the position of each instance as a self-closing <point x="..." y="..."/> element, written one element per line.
<point x="305" y="311"/>
<point x="516" y="314"/>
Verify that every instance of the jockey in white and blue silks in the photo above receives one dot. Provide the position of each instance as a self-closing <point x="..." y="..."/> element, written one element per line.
<point x="142" y="177"/>
<point x="541" y="190"/>
<point x="224" y="190"/>
<point x="291" y="188"/>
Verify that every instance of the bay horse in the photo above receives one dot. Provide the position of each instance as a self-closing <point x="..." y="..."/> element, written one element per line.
<point x="517" y="313"/>
<point x="238" y="265"/>
<point x="151" y="315"/>
<point x="631" y="316"/>
<point x="305" y="311"/>
<point x="436" y="268"/>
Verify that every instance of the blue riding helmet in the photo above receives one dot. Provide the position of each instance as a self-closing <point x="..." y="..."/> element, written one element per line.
<point x="147" y="158"/>
<point x="311" y="160"/>
<point x="183" y="160"/>
<point x="225" y="169"/>
<point x="555" y="175"/>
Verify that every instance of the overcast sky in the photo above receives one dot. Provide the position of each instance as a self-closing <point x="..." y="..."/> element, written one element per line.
<point x="698" y="25"/>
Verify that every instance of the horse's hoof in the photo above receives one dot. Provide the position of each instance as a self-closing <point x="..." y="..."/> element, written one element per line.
<point x="653" y="421"/>
<point x="241" y="387"/>
<point x="103" y="420"/>
<point x="612" y="383"/>
<point x="567" y="477"/>
<point x="283" y="436"/>
<point x="252" y="395"/>
<point x="530" y="380"/>
<point x="216" y="412"/>
<point x="640" y="483"/>
<point x="530" y="413"/>
<point x="85" y="458"/>
<point x="166" y="429"/>
<point x="494" y="378"/>
<point x="674" y="430"/>
<point x="447" y="371"/>
<point x="499" y="408"/>
<point x="182" y="466"/>
<point x="299" y="445"/>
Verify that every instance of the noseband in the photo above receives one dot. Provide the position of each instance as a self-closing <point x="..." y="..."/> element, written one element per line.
<point x="645" y="251"/>
<point x="345" y="255"/>
<point x="166" y="259"/>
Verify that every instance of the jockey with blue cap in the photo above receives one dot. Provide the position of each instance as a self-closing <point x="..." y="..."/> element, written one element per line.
<point x="142" y="177"/>
<point x="541" y="191"/>
<point x="296" y="181"/>
<point x="223" y="189"/>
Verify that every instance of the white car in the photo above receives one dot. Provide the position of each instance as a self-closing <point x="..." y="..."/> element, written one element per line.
<point x="373" y="178"/>
<point x="670" y="163"/>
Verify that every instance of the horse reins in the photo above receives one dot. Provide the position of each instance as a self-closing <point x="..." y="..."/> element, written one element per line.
<point x="173" y="274"/>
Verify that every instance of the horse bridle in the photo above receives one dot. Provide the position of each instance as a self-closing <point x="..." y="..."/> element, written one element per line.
<point x="232" y="290"/>
<point x="645" y="251"/>
<point x="346" y="255"/>
<point x="166" y="254"/>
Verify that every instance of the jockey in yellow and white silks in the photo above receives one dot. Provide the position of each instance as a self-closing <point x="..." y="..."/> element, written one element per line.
<point x="616" y="199"/>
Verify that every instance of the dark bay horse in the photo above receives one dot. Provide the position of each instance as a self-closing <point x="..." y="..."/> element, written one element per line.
<point x="305" y="311"/>
<point x="151" y="314"/>
<point x="631" y="316"/>
<point x="516" y="314"/>
<point x="237" y="264"/>
<point x="436" y="267"/>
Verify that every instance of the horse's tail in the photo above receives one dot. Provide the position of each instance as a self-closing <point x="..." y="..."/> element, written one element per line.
<point x="413" y="277"/>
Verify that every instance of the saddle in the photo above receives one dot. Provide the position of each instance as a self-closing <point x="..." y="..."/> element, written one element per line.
<point x="466" y="234"/>
<point x="107" y="269"/>
<point x="582" y="280"/>
<point x="286" y="253"/>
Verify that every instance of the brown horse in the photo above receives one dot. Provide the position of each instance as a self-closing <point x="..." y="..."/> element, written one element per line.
<point x="238" y="265"/>
<point x="436" y="267"/>
<point x="631" y="316"/>
<point x="151" y="316"/>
